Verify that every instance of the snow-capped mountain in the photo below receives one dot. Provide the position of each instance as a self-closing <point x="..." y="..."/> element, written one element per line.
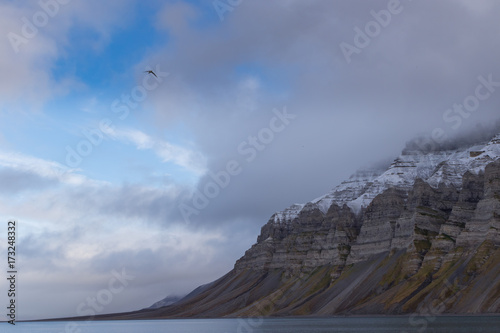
<point x="443" y="166"/>
<point x="394" y="241"/>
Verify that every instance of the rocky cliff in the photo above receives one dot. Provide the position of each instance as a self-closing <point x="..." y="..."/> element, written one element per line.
<point x="422" y="236"/>
<point x="420" y="200"/>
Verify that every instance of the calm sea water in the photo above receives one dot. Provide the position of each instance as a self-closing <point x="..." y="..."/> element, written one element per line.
<point x="294" y="325"/>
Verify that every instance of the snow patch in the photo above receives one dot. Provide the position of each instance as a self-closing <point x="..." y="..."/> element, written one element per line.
<point x="289" y="214"/>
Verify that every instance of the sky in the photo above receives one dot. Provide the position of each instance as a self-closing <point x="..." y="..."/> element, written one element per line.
<point x="128" y="187"/>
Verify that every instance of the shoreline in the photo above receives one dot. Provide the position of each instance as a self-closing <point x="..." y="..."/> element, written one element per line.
<point x="110" y="317"/>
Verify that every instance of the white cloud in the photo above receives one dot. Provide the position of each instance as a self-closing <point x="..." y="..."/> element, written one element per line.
<point x="191" y="160"/>
<point x="136" y="137"/>
<point x="43" y="168"/>
<point x="41" y="190"/>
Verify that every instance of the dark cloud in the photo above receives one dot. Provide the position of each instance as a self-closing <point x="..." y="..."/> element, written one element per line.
<point x="349" y="115"/>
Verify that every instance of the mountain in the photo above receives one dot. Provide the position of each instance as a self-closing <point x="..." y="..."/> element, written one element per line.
<point x="422" y="236"/>
<point x="169" y="300"/>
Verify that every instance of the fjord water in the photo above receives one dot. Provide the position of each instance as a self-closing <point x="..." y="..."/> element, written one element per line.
<point x="270" y="325"/>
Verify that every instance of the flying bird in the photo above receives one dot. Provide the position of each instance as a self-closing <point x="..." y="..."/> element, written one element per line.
<point x="151" y="72"/>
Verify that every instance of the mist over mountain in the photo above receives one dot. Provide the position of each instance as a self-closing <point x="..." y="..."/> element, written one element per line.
<point x="480" y="134"/>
